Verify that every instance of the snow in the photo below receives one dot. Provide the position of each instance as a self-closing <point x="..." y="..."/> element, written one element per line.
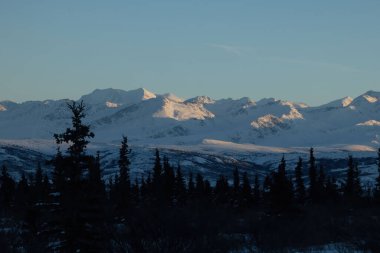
<point x="200" y="100"/>
<point x="111" y="105"/>
<point x="117" y="96"/>
<point x="347" y="101"/>
<point x="172" y="97"/>
<point x="267" y="121"/>
<point x="370" y="123"/>
<point x="293" y="114"/>
<point x="370" y="99"/>
<point x="177" y="110"/>
<point x="344" y="102"/>
<point x="217" y="144"/>
<point x="150" y="119"/>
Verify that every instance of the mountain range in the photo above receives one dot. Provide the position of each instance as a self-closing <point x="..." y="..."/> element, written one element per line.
<point x="148" y="118"/>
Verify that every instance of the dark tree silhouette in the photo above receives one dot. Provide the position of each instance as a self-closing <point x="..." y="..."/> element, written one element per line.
<point x="281" y="190"/>
<point x="7" y="189"/>
<point x="236" y="178"/>
<point x="256" y="190"/>
<point x="222" y="190"/>
<point x="313" y="188"/>
<point x="168" y="181"/>
<point x="300" y="192"/>
<point x="124" y="163"/>
<point x="78" y="135"/>
<point x="80" y="215"/>
<point x="352" y="186"/>
<point x="179" y="187"/>
<point x="321" y="184"/>
<point x="157" y="169"/>
<point x="246" y="190"/>
<point x="123" y="184"/>
<point x="190" y="187"/>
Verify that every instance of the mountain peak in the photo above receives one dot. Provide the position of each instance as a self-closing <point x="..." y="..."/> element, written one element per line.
<point x="114" y="97"/>
<point x="370" y="97"/>
<point x="265" y="101"/>
<point x="200" y="100"/>
<point x="146" y="93"/>
<point x="372" y="93"/>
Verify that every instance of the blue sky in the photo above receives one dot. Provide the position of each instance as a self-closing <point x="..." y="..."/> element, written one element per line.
<point x="309" y="51"/>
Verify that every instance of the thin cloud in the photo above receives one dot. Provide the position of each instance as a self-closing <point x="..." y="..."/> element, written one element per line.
<point x="235" y="50"/>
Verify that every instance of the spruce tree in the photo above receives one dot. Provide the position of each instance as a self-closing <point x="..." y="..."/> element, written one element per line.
<point x="332" y="194"/>
<point x="124" y="163"/>
<point x="199" y="186"/>
<point x="300" y="192"/>
<point x="37" y="184"/>
<point x="93" y="213"/>
<point x="22" y="196"/>
<point x="256" y="190"/>
<point x="267" y="185"/>
<point x="168" y="181"/>
<point x="190" y="187"/>
<point x="123" y="185"/>
<point x="222" y="190"/>
<point x="157" y="169"/>
<point x="236" y="178"/>
<point x="313" y="191"/>
<point x="357" y="183"/>
<point x="352" y="188"/>
<point x="281" y="190"/>
<point x="58" y="175"/>
<point x="7" y="189"/>
<point x="246" y="190"/>
<point x="143" y="189"/>
<point x="321" y="185"/>
<point x="76" y="186"/>
<point x="149" y="188"/>
<point x="179" y="187"/>
<point x="77" y="136"/>
<point x="207" y="190"/>
<point x="135" y="191"/>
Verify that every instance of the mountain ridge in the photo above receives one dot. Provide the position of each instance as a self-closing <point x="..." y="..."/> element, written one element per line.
<point x="148" y="118"/>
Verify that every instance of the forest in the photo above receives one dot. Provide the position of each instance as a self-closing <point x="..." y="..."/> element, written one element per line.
<point x="72" y="209"/>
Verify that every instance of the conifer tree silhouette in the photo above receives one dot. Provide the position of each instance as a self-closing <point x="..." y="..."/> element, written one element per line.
<point x="313" y="191"/>
<point x="300" y="192"/>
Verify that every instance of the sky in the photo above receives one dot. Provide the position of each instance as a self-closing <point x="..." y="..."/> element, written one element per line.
<point x="305" y="51"/>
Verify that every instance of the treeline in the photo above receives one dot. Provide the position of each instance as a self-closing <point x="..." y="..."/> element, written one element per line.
<point x="74" y="210"/>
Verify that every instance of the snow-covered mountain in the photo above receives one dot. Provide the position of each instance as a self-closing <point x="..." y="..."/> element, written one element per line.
<point x="148" y="118"/>
<point x="202" y="133"/>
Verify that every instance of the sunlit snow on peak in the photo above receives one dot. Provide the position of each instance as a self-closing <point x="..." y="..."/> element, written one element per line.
<point x="147" y="94"/>
<point x="172" y="97"/>
<point x="347" y="101"/>
<point x="370" y="99"/>
<point x="201" y="100"/>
